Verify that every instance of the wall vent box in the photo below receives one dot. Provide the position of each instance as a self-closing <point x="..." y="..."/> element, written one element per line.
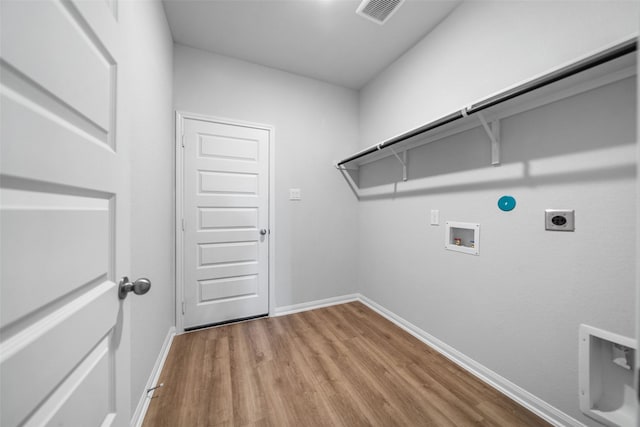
<point x="462" y="237"/>
<point x="606" y="367"/>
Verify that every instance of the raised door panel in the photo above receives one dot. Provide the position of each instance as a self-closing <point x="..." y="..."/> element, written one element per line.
<point x="68" y="49"/>
<point x="84" y="388"/>
<point x="44" y="353"/>
<point x="226" y="270"/>
<point x="67" y="61"/>
<point x="40" y="142"/>
<point x="227" y="147"/>
<point x="45" y="236"/>
<point x="238" y="183"/>
<point x="230" y="287"/>
<point x="228" y="219"/>
<point x="228" y="253"/>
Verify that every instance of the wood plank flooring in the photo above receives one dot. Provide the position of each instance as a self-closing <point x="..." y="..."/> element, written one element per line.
<point x="343" y="365"/>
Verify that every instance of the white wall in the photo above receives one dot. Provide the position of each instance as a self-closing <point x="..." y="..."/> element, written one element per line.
<point x="315" y="124"/>
<point x="482" y="48"/>
<point x="517" y="307"/>
<point x="150" y="135"/>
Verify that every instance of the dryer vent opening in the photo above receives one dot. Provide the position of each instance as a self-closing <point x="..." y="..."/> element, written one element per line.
<point x="378" y="11"/>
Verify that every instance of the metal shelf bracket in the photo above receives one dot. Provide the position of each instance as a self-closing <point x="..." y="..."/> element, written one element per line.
<point x="494" y="135"/>
<point x="403" y="162"/>
<point x="343" y="168"/>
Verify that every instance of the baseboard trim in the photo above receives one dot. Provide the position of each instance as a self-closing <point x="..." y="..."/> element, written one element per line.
<point x="311" y="305"/>
<point x="143" y="403"/>
<point x="506" y="387"/>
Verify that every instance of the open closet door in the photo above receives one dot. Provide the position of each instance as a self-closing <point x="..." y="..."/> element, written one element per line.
<point x="64" y="350"/>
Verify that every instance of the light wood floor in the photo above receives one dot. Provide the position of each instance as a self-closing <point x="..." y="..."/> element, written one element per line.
<point x="337" y="366"/>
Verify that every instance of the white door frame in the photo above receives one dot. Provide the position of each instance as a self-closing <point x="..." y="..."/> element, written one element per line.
<point x="637" y="311"/>
<point x="181" y="116"/>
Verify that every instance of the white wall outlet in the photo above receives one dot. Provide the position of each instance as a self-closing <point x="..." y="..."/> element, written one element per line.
<point x="435" y="217"/>
<point x="295" y="194"/>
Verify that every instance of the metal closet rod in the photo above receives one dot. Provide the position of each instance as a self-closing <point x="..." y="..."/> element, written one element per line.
<point x="599" y="58"/>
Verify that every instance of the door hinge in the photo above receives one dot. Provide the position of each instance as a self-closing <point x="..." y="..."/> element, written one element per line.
<point x="182" y="140"/>
<point x="182" y="224"/>
<point x="183" y="307"/>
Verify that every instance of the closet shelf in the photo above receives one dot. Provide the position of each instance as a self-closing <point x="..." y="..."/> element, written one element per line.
<point x="498" y="106"/>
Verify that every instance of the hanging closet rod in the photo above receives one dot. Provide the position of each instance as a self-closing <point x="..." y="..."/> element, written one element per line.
<point x="599" y="58"/>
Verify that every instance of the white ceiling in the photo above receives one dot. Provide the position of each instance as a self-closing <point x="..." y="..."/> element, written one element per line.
<point x="322" y="39"/>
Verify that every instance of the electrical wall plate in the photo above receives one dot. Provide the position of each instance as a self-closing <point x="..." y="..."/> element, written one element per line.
<point x="559" y="220"/>
<point x="295" y="194"/>
<point x="435" y="217"/>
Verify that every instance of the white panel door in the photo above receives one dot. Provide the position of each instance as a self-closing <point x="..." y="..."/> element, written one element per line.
<point x="226" y="212"/>
<point x="63" y="192"/>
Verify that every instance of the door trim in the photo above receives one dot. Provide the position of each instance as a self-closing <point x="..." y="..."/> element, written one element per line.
<point x="181" y="116"/>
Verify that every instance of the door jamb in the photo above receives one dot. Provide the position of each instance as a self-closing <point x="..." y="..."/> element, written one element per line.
<point x="637" y="311"/>
<point x="181" y="116"/>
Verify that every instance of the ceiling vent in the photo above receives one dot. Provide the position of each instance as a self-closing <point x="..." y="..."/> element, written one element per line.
<point x="378" y="11"/>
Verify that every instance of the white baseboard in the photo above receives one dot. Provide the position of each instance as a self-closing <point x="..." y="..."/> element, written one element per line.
<point x="145" y="399"/>
<point x="295" y="308"/>
<point x="516" y="393"/>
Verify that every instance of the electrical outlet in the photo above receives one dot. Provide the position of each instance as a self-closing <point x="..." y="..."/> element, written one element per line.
<point x="559" y="220"/>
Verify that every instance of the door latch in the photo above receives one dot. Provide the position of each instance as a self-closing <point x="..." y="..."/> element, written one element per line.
<point x="139" y="287"/>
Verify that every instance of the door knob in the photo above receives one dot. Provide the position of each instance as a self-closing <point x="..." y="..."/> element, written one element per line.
<point x="139" y="287"/>
<point x="263" y="231"/>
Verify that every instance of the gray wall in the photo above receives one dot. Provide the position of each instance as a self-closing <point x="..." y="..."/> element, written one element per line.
<point x="517" y="307"/>
<point x="150" y="136"/>
<point x="315" y="124"/>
